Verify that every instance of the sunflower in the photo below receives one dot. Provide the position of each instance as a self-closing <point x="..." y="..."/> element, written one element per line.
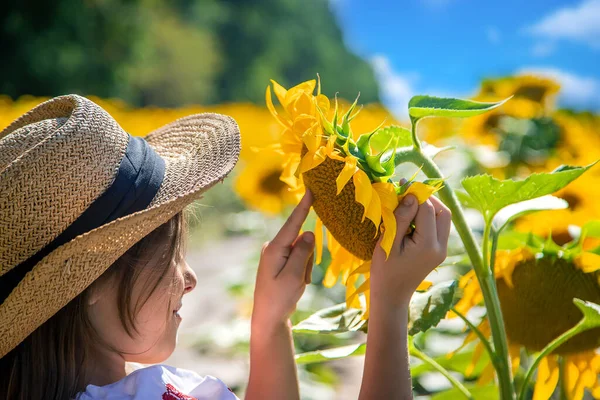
<point x="354" y="195"/>
<point x="532" y="98"/>
<point x="534" y="88"/>
<point x="260" y="187"/>
<point x="536" y="286"/>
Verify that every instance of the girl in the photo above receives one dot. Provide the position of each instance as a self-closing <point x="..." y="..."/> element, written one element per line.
<point x="93" y="272"/>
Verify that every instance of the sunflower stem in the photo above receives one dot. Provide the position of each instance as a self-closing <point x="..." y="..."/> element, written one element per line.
<point x="413" y="131"/>
<point x="500" y="360"/>
<point x="428" y="360"/>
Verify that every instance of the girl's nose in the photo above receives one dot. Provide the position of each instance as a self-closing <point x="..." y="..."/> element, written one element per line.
<point x="190" y="278"/>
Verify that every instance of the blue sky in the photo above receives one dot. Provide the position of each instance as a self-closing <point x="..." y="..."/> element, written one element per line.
<point x="445" y="47"/>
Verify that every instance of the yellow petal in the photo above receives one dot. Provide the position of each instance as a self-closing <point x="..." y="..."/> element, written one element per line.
<point x="363" y="191"/>
<point x="347" y="173"/>
<point x="389" y="201"/>
<point x="368" y="301"/>
<point x="424" y="285"/>
<point x="354" y="296"/>
<point x="271" y="108"/>
<point x="421" y="191"/>
<point x="515" y="357"/>
<point x="280" y="92"/>
<point x="547" y="378"/>
<point x="389" y="233"/>
<point x="318" y="240"/>
<point x="487" y="375"/>
<point x="312" y="160"/>
<point x="362" y="268"/>
<point x="479" y="349"/>
<point x="588" y="262"/>
<point x="332" y="274"/>
<point x="374" y="210"/>
<point x="351" y="301"/>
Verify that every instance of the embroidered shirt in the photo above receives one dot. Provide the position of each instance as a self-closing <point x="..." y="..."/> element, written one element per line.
<point x="161" y="382"/>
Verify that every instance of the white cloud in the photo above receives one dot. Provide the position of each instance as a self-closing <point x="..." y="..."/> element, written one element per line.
<point x="580" y="23"/>
<point x="543" y="49"/>
<point x="580" y="92"/>
<point x="493" y="34"/>
<point x="396" y="89"/>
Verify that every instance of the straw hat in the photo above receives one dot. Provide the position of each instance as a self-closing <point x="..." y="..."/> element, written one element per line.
<point x="77" y="191"/>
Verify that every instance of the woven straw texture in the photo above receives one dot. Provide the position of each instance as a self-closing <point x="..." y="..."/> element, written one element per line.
<point x="54" y="162"/>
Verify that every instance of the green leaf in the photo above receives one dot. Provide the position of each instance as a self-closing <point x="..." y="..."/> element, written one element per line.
<point x="490" y="195"/>
<point x="590" y="229"/>
<point x="514" y="211"/>
<point x="383" y="137"/>
<point x="336" y="353"/>
<point x="489" y="392"/>
<point x="428" y="308"/>
<point x="335" y="319"/>
<point x="513" y="240"/>
<point x="429" y="106"/>
<point x="591" y="314"/>
<point x="465" y="199"/>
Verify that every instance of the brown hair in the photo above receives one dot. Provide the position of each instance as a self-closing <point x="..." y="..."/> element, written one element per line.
<point x="51" y="362"/>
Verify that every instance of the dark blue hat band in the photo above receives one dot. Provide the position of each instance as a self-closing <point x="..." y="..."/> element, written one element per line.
<point x="140" y="175"/>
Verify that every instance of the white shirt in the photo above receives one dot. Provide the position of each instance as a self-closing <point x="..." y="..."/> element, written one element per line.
<point x="161" y="382"/>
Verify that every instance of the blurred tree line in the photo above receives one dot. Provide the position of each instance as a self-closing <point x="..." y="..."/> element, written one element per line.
<point x="169" y="53"/>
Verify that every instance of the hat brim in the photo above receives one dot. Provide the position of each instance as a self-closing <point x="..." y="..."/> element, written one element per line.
<point x="199" y="151"/>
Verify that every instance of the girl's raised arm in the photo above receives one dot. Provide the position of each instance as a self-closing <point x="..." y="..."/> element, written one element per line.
<point x="283" y="272"/>
<point x="393" y="281"/>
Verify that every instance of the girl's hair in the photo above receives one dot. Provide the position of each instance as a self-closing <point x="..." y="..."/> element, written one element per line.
<point x="52" y="362"/>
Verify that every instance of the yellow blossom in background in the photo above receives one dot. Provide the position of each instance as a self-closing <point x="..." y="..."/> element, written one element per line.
<point x="260" y="187"/>
<point x="536" y="294"/>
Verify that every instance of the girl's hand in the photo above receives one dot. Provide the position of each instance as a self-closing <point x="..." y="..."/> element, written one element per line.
<point x="393" y="281"/>
<point x="412" y="257"/>
<point x="284" y="270"/>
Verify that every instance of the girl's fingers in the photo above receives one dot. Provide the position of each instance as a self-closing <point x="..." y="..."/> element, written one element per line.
<point x="295" y="267"/>
<point x="443" y="218"/>
<point x="425" y="226"/>
<point x="309" y="267"/>
<point x="290" y="229"/>
<point x="404" y="213"/>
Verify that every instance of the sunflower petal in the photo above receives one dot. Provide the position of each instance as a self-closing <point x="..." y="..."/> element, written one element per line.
<point x="347" y="173"/>
<point x="588" y="262"/>
<point x="389" y="202"/>
<point x="351" y="300"/>
<point x="424" y="285"/>
<point x="280" y="92"/>
<point x="312" y="160"/>
<point x="421" y="191"/>
<point x="363" y="191"/>
<point x="271" y="108"/>
<point x="547" y="378"/>
<point x="318" y="240"/>
<point x="354" y="295"/>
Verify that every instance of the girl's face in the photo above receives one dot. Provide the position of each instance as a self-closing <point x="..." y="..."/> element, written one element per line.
<point x="157" y="320"/>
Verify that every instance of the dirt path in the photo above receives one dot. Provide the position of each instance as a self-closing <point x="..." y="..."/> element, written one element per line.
<point x="211" y="312"/>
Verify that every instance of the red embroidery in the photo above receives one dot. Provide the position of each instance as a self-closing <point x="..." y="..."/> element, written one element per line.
<point x="174" y="394"/>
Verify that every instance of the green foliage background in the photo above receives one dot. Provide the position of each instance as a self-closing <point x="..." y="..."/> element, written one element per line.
<point x="150" y="52"/>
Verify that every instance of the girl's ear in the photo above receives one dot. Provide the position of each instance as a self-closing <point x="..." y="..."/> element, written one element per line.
<point x="95" y="292"/>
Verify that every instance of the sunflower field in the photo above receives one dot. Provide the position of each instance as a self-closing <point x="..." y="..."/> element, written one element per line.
<point x="512" y="313"/>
